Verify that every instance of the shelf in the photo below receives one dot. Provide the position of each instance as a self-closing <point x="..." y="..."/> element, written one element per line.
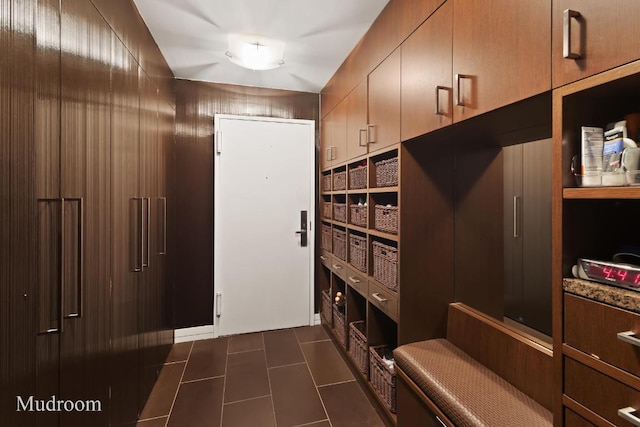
<point x="384" y="189"/>
<point x="357" y="191"/>
<point x="357" y="228"/>
<point x="382" y="234"/>
<point x="601" y="193"/>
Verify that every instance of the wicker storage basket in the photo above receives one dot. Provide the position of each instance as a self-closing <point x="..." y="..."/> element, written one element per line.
<point x="340" y="325"/>
<point x="387" y="172"/>
<point x="385" y="265"/>
<point x="358" y="252"/>
<point x="386" y="218"/>
<point x="326" y="210"/>
<point x="340" y="244"/>
<point x="326" y="182"/>
<point x="326" y="306"/>
<point x="340" y="212"/>
<point x="340" y="180"/>
<point x="382" y="378"/>
<point x="326" y="237"/>
<point x="358" y="349"/>
<point x="358" y="215"/>
<point x="358" y="178"/>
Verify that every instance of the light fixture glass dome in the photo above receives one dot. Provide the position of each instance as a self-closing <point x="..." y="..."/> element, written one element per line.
<point x="254" y="52"/>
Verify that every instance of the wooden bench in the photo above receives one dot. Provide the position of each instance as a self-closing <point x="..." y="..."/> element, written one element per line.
<point x="483" y="374"/>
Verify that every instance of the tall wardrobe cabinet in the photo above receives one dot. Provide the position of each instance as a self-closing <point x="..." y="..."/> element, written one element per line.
<point x="84" y="217"/>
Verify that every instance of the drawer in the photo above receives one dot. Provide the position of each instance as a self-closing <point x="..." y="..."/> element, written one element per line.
<point x="357" y="281"/>
<point x="326" y="258"/>
<point x="593" y="328"/>
<point x="571" y="419"/>
<point x="598" y="392"/>
<point x="384" y="299"/>
<point x="338" y="267"/>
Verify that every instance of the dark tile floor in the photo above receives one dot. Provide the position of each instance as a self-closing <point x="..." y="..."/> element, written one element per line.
<point x="285" y="378"/>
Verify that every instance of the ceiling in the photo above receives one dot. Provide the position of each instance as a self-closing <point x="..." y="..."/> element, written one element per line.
<point x="318" y="36"/>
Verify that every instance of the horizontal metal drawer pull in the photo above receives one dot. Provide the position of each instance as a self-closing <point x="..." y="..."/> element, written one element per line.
<point x="337" y="267"/>
<point x="354" y="280"/>
<point x="323" y="258"/>
<point x="628" y="414"/>
<point x="629" y="337"/>
<point x="378" y="297"/>
<point x="440" y="421"/>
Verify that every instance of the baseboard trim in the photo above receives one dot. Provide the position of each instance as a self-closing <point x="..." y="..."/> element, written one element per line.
<point x="193" y="334"/>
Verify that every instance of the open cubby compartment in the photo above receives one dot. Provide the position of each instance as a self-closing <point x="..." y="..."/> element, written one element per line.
<point x="385" y="262"/>
<point x="598" y="229"/>
<point x="339" y="308"/>
<point x="384" y="169"/>
<point x="382" y="335"/>
<point x="358" y="209"/>
<point x="326" y="182"/>
<point x="326" y="302"/>
<point x="597" y="106"/>
<point x="357" y="247"/>
<point x="327" y="237"/>
<point x="357" y="175"/>
<point x="326" y="208"/>
<point x="339" y="180"/>
<point x="339" y="204"/>
<point x="356" y="319"/>
<point x="384" y="212"/>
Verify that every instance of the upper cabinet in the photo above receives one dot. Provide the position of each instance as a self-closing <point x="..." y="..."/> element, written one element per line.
<point x="427" y="91"/>
<point x="384" y="103"/>
<point x="357" y="129"/>
<point x="500" y="53"/>
<point x="590" y="36"/>
<point x="333" y="136"/>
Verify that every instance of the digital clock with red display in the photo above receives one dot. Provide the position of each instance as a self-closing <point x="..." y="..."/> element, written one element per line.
<point x="612" y="273"/>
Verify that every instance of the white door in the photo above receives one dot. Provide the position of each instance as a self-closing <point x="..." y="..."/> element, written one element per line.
<point x="263" y="180"/>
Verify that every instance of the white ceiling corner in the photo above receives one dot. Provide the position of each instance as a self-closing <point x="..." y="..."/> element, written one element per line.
<point x="318" y="35"/>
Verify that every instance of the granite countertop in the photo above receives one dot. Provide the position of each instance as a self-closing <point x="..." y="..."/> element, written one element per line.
<point x="618" y="297"/>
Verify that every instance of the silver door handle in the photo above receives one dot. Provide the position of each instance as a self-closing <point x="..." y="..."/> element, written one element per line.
<point x="515" y="217"/>
<point x="439" y="111"/>
<point x="164" y="226"/>
<point x="354" y="280"/>
<point x="80" y="255"/>
<point x="371" y="134"/>
<point x="459" y="77"/>
<point x="139" y="262"/>
<point x="323" y="258"/>
<point x="360" y="132"/>
<point x="568" y="15"/>
<point x="629" y="337"/>
<point x="337" y="267"/>
<point x="146" y="230"/>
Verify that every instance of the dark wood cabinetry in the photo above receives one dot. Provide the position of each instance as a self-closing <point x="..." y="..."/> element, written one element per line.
<point x="527" y="234"/>
<point x="500" y="53"/>
<point x="357" y="129"/>
<point x="593" y="36"/>
<point x="72" y="161"/>
<point x="427" y="92"/>
<point x="333" y="142"/>
<point x="384" y="103"/>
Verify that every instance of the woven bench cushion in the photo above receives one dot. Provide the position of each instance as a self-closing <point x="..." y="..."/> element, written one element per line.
<point x="468" y="393"/>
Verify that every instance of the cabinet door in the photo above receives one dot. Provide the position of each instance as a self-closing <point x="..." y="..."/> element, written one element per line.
<point x="325" y="141"/>
<point x="384" y="103"/>
<point x="426" y="76"/>
<point x="339" y="133"/>
<point x="600" y="36"/>
<point x="357" y="121"/>
<point x="500" y="53"/>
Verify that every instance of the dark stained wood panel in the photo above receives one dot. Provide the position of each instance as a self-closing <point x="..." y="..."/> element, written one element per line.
<point x="384" y="103"/>
<point x="503" y="49"/>
<point x="197" y="103"/>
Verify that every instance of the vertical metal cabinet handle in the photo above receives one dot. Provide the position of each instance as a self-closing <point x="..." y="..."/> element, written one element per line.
<point x="146" y="231"/>
<point x="371" y="134"/>
<point x="568" y="15"/>
<point x="629" y="337"/>
<point x="628" y="414"/>
<point x="366" y="142"/>
<point x="138" y="267"/>
<point x="439" y="112"/>
<point x="62" y="234"/>
<point x="80" y="272"/>
<point x="515" y="216"/>
<point x="328" y="153"/>
<point x="440" y="421"/>
<point x="460" y="77"/>
<point x="218" y="304"/>
<point x="164" y="225"/>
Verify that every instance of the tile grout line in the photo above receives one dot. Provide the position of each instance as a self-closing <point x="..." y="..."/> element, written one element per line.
<point x="306" y="362"/>
<point x="338" y="383"/>
<point x="266" y="363"/>
<point x="201" y="379"/>
<point x="286" y="366"/>
<point x="247" y="400"/>
<point x="179" y="384"/>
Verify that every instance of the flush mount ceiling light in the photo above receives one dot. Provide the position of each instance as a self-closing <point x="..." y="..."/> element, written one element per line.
<point x="255" y="53"/>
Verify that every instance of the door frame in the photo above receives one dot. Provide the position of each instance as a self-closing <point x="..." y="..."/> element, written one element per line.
<point x="217" y="145"/>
